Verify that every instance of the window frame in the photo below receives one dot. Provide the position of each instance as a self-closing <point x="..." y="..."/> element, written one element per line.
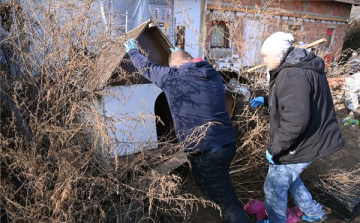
<point x="329" y="38"/>
<point x="226" y="35"/>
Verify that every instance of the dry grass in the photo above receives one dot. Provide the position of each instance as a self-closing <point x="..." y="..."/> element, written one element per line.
<point x="53" y="168"/>
<point x="341" y="183"/>
<point x="55" y="165"/>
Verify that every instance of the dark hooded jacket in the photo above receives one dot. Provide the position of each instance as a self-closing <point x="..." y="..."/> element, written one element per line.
<point x="196" y="97"/>
<point x="303" y="124"/>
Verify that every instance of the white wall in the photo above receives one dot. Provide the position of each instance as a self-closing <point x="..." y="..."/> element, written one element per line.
<point x="189" y="13"/>
<point x="253" y="33"/>
<point x="132" y="108"/>
<point x="355" y="13"/>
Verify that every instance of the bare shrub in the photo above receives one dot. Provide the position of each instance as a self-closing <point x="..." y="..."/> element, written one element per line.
<point x="56" y="162"/>
<point x="341" y="183"/>
<point x="53" y="165"/>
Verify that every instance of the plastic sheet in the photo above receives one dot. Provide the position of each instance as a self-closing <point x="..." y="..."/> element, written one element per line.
<point x="114" y="14"/>
<point x="257" y="207"/>
<point x="352" y="92"/>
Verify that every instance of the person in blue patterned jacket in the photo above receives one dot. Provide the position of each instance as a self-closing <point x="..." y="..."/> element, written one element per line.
<point x="196" y="98"/>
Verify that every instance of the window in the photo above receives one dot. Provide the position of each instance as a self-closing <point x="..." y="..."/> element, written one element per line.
<point x="329" y="34"/>
<point x="295" y="28"/>
<point x="161" y="2"/>
<point x="180" y="37"/>
<point x="219" y="35"/>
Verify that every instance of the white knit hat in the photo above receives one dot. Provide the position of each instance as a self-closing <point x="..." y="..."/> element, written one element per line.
<point x="277" y="43"/>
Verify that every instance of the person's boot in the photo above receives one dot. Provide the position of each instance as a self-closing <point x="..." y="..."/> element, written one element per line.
<point x="313" y="218"/>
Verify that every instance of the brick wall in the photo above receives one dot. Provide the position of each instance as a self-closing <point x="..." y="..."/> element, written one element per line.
<point x="311" y="30"/>
<point x="319" y="7"/>
<point x="293" y="6"/>
<point x="208" y="25"/>
<point x="330" y="8"/>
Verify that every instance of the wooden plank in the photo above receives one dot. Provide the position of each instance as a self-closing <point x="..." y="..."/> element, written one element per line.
<point x="255" y="68"/>
<point x="171" y="164"/>
<point x="313" y="43"/>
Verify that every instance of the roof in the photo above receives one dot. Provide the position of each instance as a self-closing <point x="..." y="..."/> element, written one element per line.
<point x="114" y="66"/>
<point x="354" y="2"/>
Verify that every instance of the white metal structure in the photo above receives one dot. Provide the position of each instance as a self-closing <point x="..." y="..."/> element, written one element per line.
<point x="132" y="108"/>
<point x="191" y="14"/>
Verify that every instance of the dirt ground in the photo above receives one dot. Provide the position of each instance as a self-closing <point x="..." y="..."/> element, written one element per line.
<point x="345" y="159"/>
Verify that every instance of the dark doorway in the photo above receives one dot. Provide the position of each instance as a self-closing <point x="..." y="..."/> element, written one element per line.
<point x="164" y="128"/>
<point x="228" y="75"/>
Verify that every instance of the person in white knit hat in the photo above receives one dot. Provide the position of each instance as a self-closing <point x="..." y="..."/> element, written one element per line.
<point x="274" y="48"/>
<point x="303" y="125"/>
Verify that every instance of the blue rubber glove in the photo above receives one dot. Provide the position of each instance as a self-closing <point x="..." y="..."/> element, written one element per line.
<point x="130" y="45"/>
<point x="174" y="49"/>
<point x="256" y="102"/>
<point x="269" y="157"/>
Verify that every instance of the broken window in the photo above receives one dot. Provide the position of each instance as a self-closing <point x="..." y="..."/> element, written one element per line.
<point x="295" y="29"/>
<point x="329" y="35"/>
<point x="219" y="35"/>
<point x="180" y="37"/>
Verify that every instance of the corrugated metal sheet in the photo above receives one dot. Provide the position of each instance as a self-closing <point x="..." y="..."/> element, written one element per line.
<point x="114" y="14"/>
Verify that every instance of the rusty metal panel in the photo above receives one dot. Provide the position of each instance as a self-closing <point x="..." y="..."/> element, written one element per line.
<point x="114" y="66"/>
<point x="154" y="43"/>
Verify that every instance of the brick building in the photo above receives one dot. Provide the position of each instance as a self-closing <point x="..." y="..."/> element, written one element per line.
<point x="231" y="25"/>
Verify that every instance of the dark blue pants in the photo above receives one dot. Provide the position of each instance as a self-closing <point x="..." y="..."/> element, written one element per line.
<point x="211" y="174"/>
